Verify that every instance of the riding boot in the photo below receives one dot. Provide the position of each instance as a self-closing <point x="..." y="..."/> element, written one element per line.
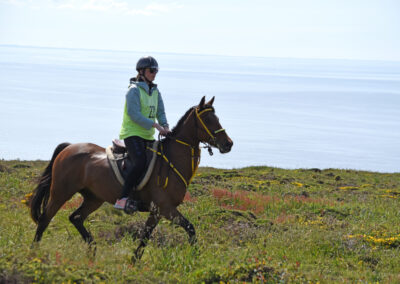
<point x="133" y="202"/>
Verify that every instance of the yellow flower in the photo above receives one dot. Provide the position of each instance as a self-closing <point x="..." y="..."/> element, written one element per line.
<point x="390" y="196"/>
<point x="348" y="187"/>
<point x="366" y="185"/>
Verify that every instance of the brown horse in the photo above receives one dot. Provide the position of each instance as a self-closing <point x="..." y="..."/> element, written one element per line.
<point x="84" y="168"/>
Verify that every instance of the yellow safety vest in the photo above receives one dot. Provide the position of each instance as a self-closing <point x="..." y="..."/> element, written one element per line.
<point x="148" y="108"/>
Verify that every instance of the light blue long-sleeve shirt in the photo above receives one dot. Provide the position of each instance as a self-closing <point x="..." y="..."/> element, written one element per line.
<point x="134" y="109"/>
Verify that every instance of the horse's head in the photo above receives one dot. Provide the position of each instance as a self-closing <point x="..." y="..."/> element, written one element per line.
<point x="209" y="129"/>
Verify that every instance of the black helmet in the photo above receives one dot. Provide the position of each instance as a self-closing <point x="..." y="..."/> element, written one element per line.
<point x="146" y="62"/>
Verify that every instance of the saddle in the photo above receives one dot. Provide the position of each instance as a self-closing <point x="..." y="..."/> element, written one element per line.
<point x="118" y="158"/>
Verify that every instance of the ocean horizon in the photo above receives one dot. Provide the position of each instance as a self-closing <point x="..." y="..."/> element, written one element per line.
<point x="280" y="112"/>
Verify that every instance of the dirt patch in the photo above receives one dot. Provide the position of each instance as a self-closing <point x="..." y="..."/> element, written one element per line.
<point x="257" y="272"/>
<point x="119" y="232"/>
<point x="240" y="226"/>
<point x="4" y="169"/>
<point x="315" y="170"/>
<point x="371" y="261"/>
<point x="21" y="166"/>
<point x="162" y="235"/>
<point x="334" y="213"/>
<point x="286" y="180"/>
<point x="13" y="277"/>
<point x="242" y="231"/>
<point x="169" y="237"/>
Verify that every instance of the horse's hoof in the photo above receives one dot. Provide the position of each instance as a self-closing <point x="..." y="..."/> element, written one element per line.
<point x="92" y="249"/>
<point x="137" y="255"/>
<point x="193" y="241"/>
<point x="135" y="259"/>
<point x="35" y="245"/>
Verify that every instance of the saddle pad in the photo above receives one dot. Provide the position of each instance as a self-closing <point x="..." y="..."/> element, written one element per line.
<point x="113" y="162"/>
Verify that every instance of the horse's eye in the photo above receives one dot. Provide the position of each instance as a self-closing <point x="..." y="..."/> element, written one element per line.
<point x="207" y="119"/>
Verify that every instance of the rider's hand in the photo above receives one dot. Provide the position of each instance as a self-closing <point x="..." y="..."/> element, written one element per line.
<point x="166" y="128"/>
<point x="161" y="129"/>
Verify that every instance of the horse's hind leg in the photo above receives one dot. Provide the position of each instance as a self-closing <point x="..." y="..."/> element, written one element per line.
<point x="60" y="191"/>
<point x="51" y="209"/>
<point x="90" y="203"/>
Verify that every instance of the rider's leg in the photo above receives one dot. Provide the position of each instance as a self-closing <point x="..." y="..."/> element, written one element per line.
<point x="136" y="147"/>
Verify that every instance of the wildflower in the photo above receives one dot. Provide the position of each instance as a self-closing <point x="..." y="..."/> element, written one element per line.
<point x="366" y="185"/>
<point x="348" y="187"/>
<point x="379" y="241"/>
<point x="390" y="196"/>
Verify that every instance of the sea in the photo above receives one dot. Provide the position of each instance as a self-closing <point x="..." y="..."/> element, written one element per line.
<point x="279" y="112"/>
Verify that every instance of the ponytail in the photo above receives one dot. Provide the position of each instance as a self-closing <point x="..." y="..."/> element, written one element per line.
<point x="140" y="78"/>
<point x="135" y="79"/>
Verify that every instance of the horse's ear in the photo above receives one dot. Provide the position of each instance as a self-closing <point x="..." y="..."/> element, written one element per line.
<point x="201" y="104"/>
<point x="211" y="101"/>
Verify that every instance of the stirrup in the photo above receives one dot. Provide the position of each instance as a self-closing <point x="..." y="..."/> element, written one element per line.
<point x="131" y="206"/>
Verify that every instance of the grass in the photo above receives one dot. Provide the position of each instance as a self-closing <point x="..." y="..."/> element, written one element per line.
<point x="255" y="224"/>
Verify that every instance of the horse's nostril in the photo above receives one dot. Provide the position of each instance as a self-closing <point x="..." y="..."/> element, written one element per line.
<point x="228" y="145"/>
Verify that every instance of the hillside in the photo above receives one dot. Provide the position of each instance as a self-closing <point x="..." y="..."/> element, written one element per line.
<point x="255" y="224"/>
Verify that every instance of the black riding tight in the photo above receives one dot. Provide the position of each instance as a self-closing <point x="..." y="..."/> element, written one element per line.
<point x="136" y="147"/>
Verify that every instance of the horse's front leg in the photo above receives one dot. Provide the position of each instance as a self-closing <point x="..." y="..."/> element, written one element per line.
<point x="177" y="218"/>
<point x="151" y="223"/>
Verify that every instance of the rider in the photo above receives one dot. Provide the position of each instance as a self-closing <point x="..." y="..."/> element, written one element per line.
<point x="143" y="106"/>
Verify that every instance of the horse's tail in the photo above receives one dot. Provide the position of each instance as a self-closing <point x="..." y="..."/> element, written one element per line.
<point x="40" y="195"/>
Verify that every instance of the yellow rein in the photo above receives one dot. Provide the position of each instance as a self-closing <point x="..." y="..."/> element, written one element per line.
<point x="194" y="167"/>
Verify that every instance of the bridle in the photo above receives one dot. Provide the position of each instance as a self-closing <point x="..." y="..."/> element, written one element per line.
<point x="198" y="115"/>
<point x="195" y="164"/>
<point x="212" y="139"/>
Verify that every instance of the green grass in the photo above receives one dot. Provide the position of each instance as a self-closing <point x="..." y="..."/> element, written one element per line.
<point x="256" y="224"/>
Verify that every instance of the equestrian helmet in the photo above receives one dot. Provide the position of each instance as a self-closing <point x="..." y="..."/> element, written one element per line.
<point x="146" y="62"/>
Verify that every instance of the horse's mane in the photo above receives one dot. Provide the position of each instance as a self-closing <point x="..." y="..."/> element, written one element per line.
<point x="181" y="121"/>
<point x="178" y="126"/>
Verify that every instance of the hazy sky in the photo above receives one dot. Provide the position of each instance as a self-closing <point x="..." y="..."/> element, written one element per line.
<point x="353" y="29"/>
